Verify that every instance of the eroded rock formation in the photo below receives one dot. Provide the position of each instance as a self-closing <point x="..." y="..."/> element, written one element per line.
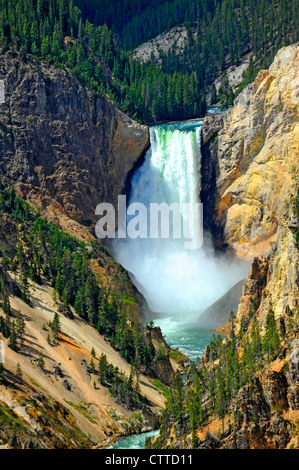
<point x="64" y="148"/>
<point x="250" y="155"/>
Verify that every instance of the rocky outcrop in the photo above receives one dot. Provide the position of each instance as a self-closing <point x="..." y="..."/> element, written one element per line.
<point x="252" y="288"/>
<point x="265" y="412"/>
<point x="250" y="155"/>
<point x="162" y="367"/>
<point x="39" y="422"/>
<point x="257" y="426"/>
<point x="273" y="282"/>
<point x="176" y="39"/>
<point x="209" y="173"/>
<point x="64" y="148"/>
<point x="267" y="409"/>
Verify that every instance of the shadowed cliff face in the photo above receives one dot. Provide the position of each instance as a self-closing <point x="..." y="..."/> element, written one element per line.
<point x="249" y="156"/>
<point x="63" y="147"/>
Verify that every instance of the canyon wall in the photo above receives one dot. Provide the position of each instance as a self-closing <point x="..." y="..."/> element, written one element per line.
<point x="63" y="147"/>
<point x="251" y="206"/>
<point x="251" y="155"/>
<point x="66" y="150"/>
<point x="250" y="159"/>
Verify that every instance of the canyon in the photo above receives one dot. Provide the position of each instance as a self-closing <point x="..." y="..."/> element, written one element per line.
<point x="66" y="150"/>
<point x="250" y="156"/>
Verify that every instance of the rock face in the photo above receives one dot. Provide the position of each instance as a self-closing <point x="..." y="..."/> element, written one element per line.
<point x="263" y="414"/>
<point x="219" y="312"/>
<point x="250" y="154"/>
<point x="273" y="282"/>
<point x="269" y="413"/>
<point x="175" y="39"/>
<point x="63" y="147"/>
<point x="258" y="427"/>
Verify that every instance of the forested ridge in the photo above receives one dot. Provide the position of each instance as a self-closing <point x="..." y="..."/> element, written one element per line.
<point x="94" y="39"/>
<point x="54" y="31"/>
<point x="219" y="33"/>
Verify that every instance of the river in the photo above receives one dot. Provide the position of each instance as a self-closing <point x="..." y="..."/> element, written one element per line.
<point x="135" y="441"/>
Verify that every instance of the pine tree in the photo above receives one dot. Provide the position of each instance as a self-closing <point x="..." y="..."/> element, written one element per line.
<point x="24" y="285"/>
<point x="256" y="341"/>
<point x="20" y="327"/>
<point x="1" y="373"/>
<point x="13" y="337"/>
<point x="271" y="340"/>
<point x="55" y="326"/>
<point x="103" y="369"/>
<point x="41" y="361"/>
<point x="19" y="373"/>
<point x="92" y="366"/>
<point x="2" y="283"/>
<point x="7" y="326"/>
<point x="214" y="97"/>
<point x="6" y="304"/>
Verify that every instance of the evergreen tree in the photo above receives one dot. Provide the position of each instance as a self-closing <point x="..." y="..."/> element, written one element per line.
<point x="92" y="366"/>
<point x="7" y="326"/>
<point x="103" y="369"/>
<point x="41" y="361"/>
<point x="1" y="373"/>
<point x="19" y="373"/>
<point x="13" y="337"/>
<point x="20" y="327"/>
<point x="55" y="326"/>
<point x="6" y="304"/>
<point x="271" y="339"/>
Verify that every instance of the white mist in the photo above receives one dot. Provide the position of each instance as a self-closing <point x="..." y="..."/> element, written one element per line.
<point x="175" y="281"/>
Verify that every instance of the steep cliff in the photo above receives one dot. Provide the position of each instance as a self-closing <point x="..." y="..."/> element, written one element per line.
<point x="265" y="412"/>
<point x="63" y="147"/>
<point x="66" y="150"/>
<point x="272" y="282"/>
<point x="244" y="392"/>
<point x="250" y="155"/>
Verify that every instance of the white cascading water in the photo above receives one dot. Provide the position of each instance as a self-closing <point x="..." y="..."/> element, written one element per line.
<point x="174" y="281"/>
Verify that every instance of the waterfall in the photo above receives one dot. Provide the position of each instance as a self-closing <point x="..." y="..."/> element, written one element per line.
<point x="173" y="169"/>
<point x="174" y="280"/>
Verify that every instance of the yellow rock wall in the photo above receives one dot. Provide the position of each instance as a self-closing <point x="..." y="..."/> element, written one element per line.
<point x="258" y="156"/>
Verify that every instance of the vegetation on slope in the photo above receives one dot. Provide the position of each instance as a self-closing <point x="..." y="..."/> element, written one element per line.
<point x="76" y="36"/>
<point x="54" y="31"/>
<point x="43" y="250"/>
<point x="59" y="428"/>
<point x="228" y="367"/>
<point x="219" y="33"/>
<point x="245" y="386"/>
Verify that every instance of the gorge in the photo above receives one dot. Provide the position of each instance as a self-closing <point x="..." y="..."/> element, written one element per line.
<point x="65" y="149"/>
<point x="240" y="150"/>
<point x="178" y="283"/>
